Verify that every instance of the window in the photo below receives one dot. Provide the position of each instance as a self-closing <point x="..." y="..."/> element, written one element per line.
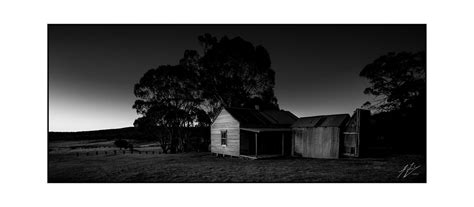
<point x="224" y="137"/>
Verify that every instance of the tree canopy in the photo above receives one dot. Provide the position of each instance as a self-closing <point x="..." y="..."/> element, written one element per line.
<point x="230" y="73"/>
<point x="397" y="80"/>
<point x="233" y="73"/>
<point x="169" y="97"/>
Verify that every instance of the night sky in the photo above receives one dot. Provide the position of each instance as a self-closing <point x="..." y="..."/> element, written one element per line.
<point x="93" y="68"/>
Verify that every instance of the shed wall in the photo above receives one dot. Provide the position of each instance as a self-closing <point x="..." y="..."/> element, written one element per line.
<point x="320" y="142"/>
<point x="225" y="122"/>
<point x="355" y="132"/>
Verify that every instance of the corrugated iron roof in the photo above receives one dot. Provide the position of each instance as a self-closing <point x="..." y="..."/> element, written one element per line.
<point x="308" y="121"/>
<point x="335" y="120"/>
<point x="322" y="121"/>
<point x="280" y="117"/>
<point x="262" y="119"/>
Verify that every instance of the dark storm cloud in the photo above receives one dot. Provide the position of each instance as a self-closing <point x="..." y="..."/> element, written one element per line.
<point x="92" y="68"/>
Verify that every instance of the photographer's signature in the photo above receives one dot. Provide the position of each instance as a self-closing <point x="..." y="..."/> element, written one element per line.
<point x="409" y="169"/>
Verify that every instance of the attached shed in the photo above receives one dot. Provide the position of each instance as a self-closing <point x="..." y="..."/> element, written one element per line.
<point x="357" y="138"/>
<point x="318" y="136"/>
<point x="252" y="133"/>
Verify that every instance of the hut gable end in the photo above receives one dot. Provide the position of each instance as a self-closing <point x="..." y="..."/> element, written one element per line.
<point x="225" y="123"/>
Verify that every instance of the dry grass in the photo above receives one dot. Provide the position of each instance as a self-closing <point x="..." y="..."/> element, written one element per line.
<point x="203" y="167"/>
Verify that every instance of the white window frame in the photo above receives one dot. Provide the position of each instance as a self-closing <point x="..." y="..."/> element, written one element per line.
<point x="224" y="132"/>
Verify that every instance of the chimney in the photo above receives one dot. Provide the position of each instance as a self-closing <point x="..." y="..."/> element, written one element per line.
<point x="257" y="107"/>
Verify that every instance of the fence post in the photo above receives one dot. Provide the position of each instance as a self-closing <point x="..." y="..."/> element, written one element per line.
<point x="77" y="154"/>
<point x="115" y="152"/>
<point x="96" y="152"/>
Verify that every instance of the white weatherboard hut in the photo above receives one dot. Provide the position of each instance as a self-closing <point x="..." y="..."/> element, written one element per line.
<point x="252" y="133"/>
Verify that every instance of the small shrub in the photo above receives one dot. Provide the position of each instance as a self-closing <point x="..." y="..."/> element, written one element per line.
<point x="121" y="143"/>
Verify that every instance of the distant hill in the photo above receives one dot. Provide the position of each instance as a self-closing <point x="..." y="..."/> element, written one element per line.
<point x="110" y="134"/>
<point x="121" y="133"/>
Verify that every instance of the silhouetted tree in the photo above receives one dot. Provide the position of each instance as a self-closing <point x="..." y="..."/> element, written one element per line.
<point x="121" y="143"/>
<point x="233" y="73"/>
<point x="169" y="97"/>
<point x="398" y="81"/>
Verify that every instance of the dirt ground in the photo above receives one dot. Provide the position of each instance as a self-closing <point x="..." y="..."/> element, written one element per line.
<point x="204" y="167"/>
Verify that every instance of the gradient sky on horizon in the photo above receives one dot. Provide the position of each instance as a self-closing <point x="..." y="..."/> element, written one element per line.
<point x="93" y="68"/>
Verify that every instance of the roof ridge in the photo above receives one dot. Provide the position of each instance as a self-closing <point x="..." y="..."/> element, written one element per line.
<point x="239" y="108"/>
<point x="256" y="109"/>
<point x="323" y="116"/>
<point x="269" y="118"/>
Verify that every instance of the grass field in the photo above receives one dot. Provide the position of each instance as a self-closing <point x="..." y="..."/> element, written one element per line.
<point x="203" y="167"/>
